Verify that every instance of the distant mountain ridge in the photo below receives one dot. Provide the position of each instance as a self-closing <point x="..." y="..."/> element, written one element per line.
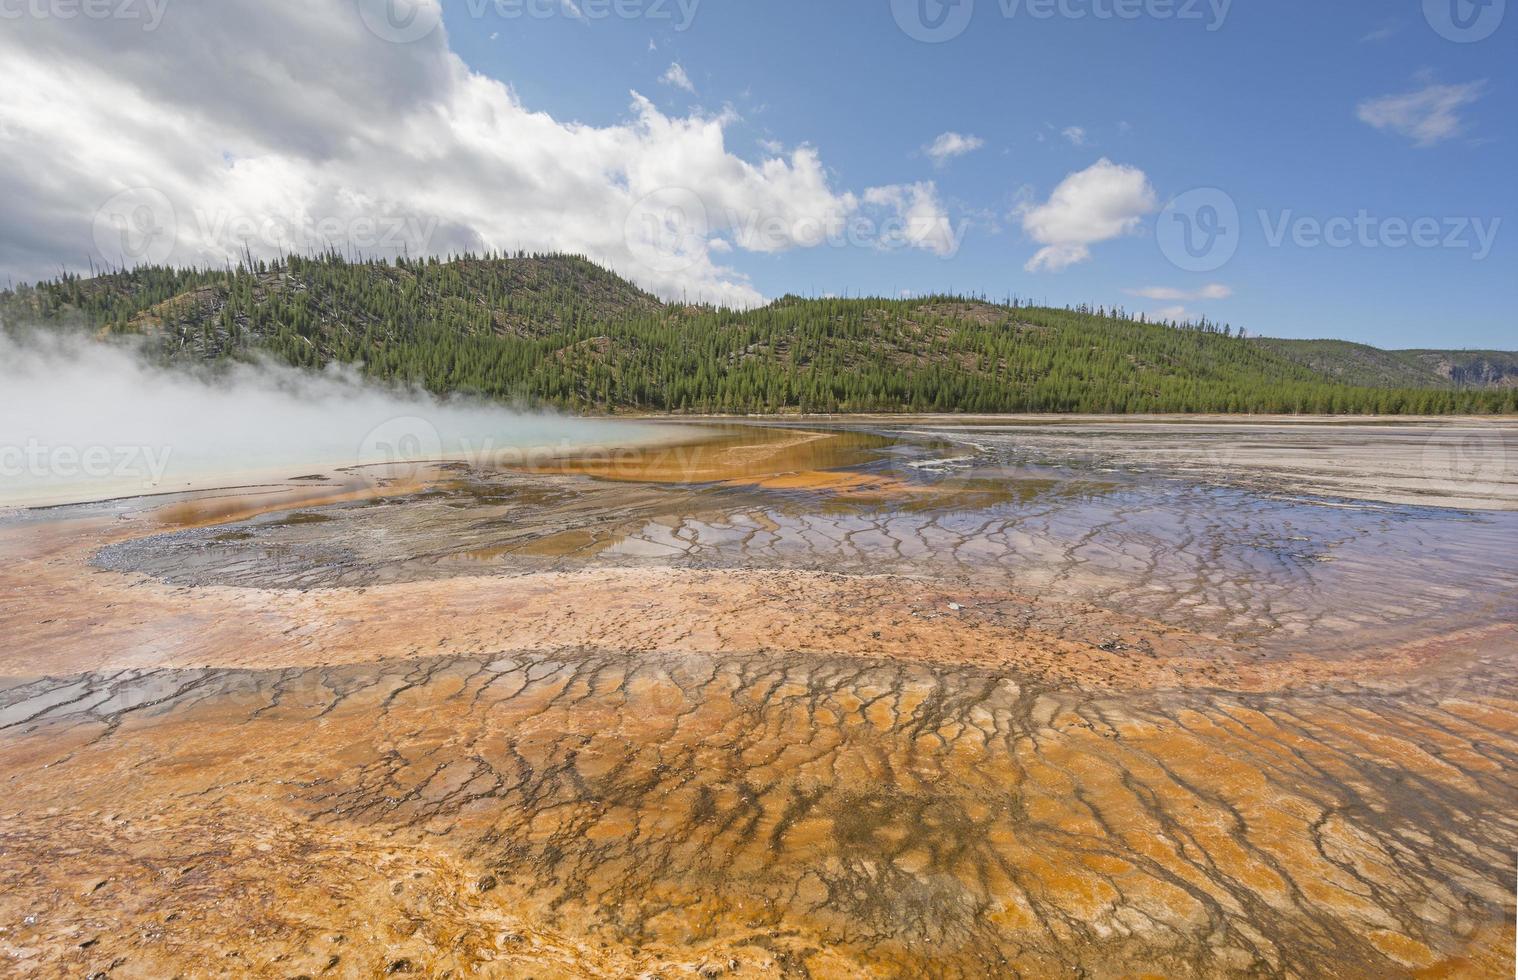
<point x="561" y="330"/>
<point x="1359" y="364"/>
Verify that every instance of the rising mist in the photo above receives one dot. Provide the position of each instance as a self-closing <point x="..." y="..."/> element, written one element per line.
<point x="82" y="420"/>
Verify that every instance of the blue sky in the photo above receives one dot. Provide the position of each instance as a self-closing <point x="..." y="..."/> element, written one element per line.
<point x="1264" y="107"/>
<point x="1297" y="168"/>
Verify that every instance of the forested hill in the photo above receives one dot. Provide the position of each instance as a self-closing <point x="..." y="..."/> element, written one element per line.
<point x="561" y="330"/>
<point x="1357" y="364"/>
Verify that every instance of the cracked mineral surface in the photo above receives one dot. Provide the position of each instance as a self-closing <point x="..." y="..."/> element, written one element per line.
<point x="880" y="699"/>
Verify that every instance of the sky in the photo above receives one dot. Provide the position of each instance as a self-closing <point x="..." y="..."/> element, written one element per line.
<point x="1295" y="168"/>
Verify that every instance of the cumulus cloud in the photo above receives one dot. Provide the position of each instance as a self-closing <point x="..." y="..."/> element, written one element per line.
<point x="1075" y="134"/>
<point x="1104" y="201"/>
<point x="1427" y="116"/>
<point x="951" y="145"/>
<point x="923" y="222"/>
<point x="676" y="76"/>
<point x="268" y="128"/>
<point x="1166" y="294"/>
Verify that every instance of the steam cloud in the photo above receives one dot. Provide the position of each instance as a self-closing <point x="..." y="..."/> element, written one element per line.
<point x="87" y="420"/>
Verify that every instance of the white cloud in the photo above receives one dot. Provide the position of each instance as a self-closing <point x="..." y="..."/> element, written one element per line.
<point x="346" y="138"/>
<point x="923" y="221"/>
<point x="1382" y="33"/>
<point x="676" y="76"/>
<point x="1165" y="294"/>
<point x="1427" y="116"/>
<point x="951" y="145"/>
<point x="1075" y="134"/>
<point x="1179" y="297"/>
<point x="1104" y="201"/>
<point x="1053" y="258"/>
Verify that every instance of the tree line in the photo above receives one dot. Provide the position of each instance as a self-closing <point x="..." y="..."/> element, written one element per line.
<point x="559" y="330"/>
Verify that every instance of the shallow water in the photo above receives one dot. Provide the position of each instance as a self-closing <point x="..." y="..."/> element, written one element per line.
<point x="1281" y="572"/>
<point x="901" y="702"/>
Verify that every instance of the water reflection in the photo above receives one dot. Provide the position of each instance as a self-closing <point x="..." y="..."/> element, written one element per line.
<point x="1275" y="572"/>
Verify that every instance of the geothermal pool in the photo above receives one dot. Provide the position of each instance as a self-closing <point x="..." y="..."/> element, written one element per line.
<point x="934" y="697"/>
